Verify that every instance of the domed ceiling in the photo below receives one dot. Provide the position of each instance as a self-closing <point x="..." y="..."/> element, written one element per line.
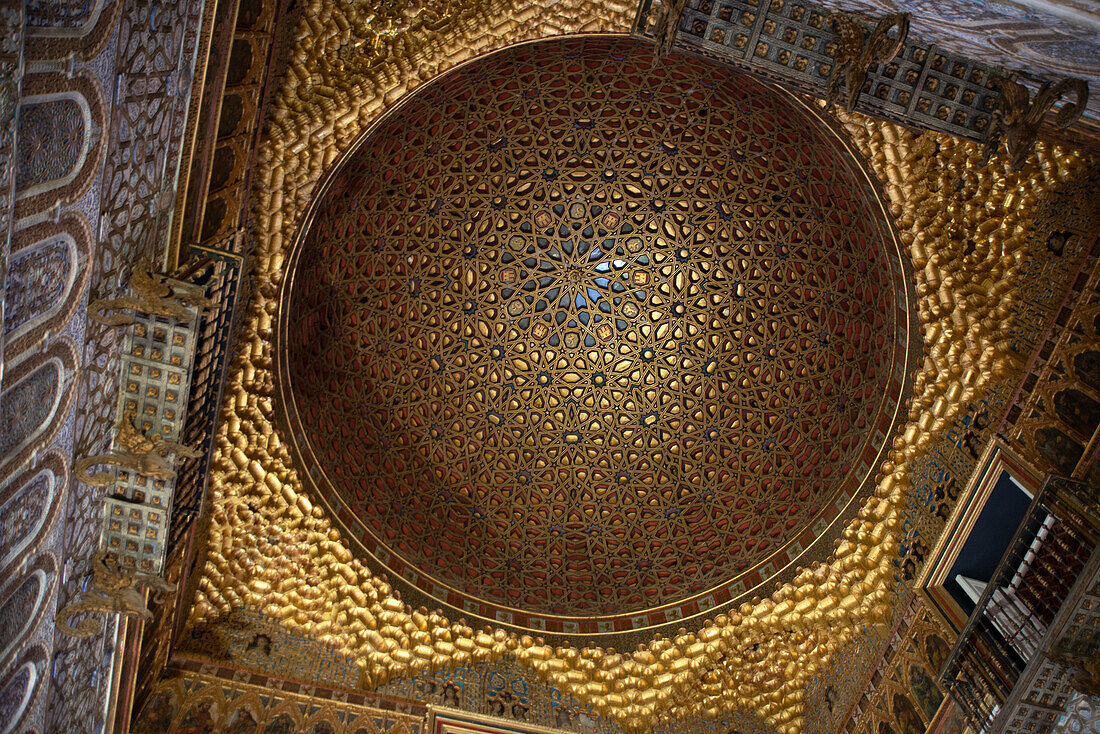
<point x="579" y="344"/>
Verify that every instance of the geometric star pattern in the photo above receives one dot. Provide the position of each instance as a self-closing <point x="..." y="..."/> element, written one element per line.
<point x="578" y="336"/>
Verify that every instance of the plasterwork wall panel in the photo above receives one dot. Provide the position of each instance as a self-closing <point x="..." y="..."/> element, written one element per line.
<point x="967" y="296"/>
<point x="1067" y="223"/>
<point x="63" y="17"/>
<point x="28" y="506"/>
<point x="60" y="140"/>
<point x="24" y="512"/>
<point x="15" y="694"/>
<point x="50" y="239"/>
<point x="85" y="40"/>
<point x="73" y="54"/>
<point x="52" y="135"/>
<point x="40" y="278"/>
<point x="47" y="279"/>
<point x="26" y="600"/>
<point x="11" y="74"/>
<point x="36" y="399"/>
<point x="146" y="50"/>
<point x="76" y="40"/>
<point x="1054" y="426"/>
<point x="18" y="608"/>
<point x="19" y="689"/>
<point x="28" y="404"/>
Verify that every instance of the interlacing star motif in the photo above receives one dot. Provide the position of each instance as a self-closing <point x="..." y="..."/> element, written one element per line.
<point x="586" y="338"/>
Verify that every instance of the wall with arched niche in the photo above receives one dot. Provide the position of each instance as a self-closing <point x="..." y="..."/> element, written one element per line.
<point x="47" y="272"/>
<point x="54" y="133"/>
<point x="60" y="134"/>
<point x="72" y="51"/>
<point x="28" y="506"/>
<point x="36" y="391"/>
<point x="17" y="607"/>
<point x="23" y="605"/>
<point x="19" y="688"/>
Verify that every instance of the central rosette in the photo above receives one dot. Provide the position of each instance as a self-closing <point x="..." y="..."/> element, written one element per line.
<point x="573" y="276"/>
<point x="591" y="340"/>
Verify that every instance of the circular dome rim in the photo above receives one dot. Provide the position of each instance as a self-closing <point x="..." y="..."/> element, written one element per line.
<point x="340" y="512"/>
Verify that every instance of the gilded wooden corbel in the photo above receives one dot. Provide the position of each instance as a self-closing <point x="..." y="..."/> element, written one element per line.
<point x="1017" y="117"/>
<point x="113" y="591"/>
<point x="856" y="54"/>
<point x="136" y="452"/>
<point x="154" y="294"/>
<point x="667" y="23"/>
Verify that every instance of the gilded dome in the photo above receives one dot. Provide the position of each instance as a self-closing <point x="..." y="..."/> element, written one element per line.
<point x="579" y="344"/>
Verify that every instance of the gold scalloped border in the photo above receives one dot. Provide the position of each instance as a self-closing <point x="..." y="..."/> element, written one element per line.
<point x="271" y="548"/>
